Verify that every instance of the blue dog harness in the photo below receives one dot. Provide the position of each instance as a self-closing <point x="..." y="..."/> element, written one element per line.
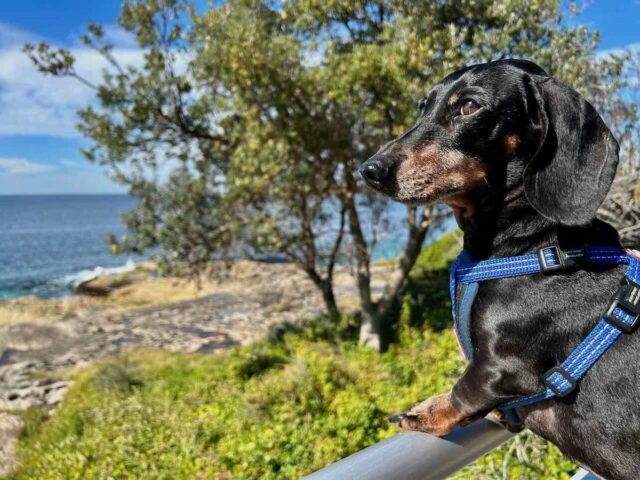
<point x="622" y="316"/>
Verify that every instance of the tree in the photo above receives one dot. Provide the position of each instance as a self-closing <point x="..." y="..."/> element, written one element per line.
<point x="620" y="104"/>
<point x="262" y="111"/>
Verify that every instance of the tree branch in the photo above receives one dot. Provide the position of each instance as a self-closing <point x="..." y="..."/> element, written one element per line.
<point x="416" y="235"/>
<point x="336" y="246"/>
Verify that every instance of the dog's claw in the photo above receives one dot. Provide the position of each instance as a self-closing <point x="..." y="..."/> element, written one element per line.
<point x="397" y="418"/>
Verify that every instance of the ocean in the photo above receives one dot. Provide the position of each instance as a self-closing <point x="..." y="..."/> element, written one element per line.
<point x="50" y="243"/>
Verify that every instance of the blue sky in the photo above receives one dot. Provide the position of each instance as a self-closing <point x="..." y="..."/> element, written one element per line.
<point x="39" y="146"/>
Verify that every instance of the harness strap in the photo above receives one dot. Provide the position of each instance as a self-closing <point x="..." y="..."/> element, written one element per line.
<point x="547" y="259"/>
<point x="462" y="312"/>
<point x="622" y="316"/>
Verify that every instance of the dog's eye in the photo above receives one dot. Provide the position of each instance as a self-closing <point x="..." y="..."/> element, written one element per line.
<point x="469" y="107"/>
<point x="422" y="105"/>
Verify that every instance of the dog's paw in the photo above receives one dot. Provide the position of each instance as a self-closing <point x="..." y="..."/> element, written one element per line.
<point x="436" y="416"/>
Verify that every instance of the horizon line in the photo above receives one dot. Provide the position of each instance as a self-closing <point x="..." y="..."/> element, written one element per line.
<point x="69" y="194"/>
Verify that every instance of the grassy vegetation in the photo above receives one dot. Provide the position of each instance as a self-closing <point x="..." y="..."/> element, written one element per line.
<point x="298" y="400"/>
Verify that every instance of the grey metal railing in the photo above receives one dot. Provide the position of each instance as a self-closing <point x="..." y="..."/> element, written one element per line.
<point x="584" y="475"/>
<point x="418" y="456"/>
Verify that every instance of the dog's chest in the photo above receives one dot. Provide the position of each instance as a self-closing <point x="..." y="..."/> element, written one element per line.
<point x="538" y="319"/>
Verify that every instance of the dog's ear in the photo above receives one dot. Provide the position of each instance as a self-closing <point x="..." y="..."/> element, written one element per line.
<point x="574" y="155"/>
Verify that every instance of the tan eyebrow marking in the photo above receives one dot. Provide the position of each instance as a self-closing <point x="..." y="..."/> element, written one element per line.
<point x="453" y="99"/>
<point x="511" y="143"/>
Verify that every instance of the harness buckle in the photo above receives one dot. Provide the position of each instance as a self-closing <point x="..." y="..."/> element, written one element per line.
<point x="552" y="259"/>
<point x="561" y="386"/>
<point x="627" y="298"/>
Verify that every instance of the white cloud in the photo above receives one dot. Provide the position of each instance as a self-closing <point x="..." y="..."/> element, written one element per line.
<point x="117" y="36"/>
<point x="34" y="104"/>
<point x="631" y="73"/>
<point x="74" y="164"/>
<point x="22" y="166"/>
<point x="633" y="47"/>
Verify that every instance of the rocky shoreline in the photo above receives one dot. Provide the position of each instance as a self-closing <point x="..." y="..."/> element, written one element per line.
<point x="240" y="308"/>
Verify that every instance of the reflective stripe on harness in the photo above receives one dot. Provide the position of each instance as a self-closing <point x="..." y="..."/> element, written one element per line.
<point x="622" y="316"/>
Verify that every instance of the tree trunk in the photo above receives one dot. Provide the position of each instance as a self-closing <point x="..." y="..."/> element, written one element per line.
<point x="370" y="328"/>
<point x="375" y="314"/>
<point x="417" y="233"/>
<point x="307" y="259"/>
<point x="329" y="300"/>
<point x="325" y="285"/>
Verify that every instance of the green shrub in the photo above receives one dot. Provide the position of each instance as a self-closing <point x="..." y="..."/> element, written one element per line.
<point x="277" y="409"/>
<point x="259" y="360"/>
<point x="121" y="375"/>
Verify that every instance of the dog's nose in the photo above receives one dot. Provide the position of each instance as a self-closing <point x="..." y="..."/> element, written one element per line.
<point x="374" y="172"/>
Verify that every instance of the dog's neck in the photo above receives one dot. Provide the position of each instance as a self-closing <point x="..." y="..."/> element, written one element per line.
<point x="509" y="225"/>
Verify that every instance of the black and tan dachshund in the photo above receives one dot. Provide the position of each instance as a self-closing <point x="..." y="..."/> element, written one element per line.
<point x="525" y="162"/>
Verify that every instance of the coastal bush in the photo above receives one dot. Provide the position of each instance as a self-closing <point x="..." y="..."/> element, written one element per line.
<point x="277" y="409"/>
<point x="123" y="375"/>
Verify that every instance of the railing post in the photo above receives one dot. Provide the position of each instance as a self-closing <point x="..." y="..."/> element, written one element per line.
<point x="418" y="456"/>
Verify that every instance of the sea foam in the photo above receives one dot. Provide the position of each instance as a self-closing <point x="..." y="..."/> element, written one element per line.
<point x="77" y="278"/>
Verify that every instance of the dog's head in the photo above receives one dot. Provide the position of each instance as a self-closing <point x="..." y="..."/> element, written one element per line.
<point x="500" y="127"/>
